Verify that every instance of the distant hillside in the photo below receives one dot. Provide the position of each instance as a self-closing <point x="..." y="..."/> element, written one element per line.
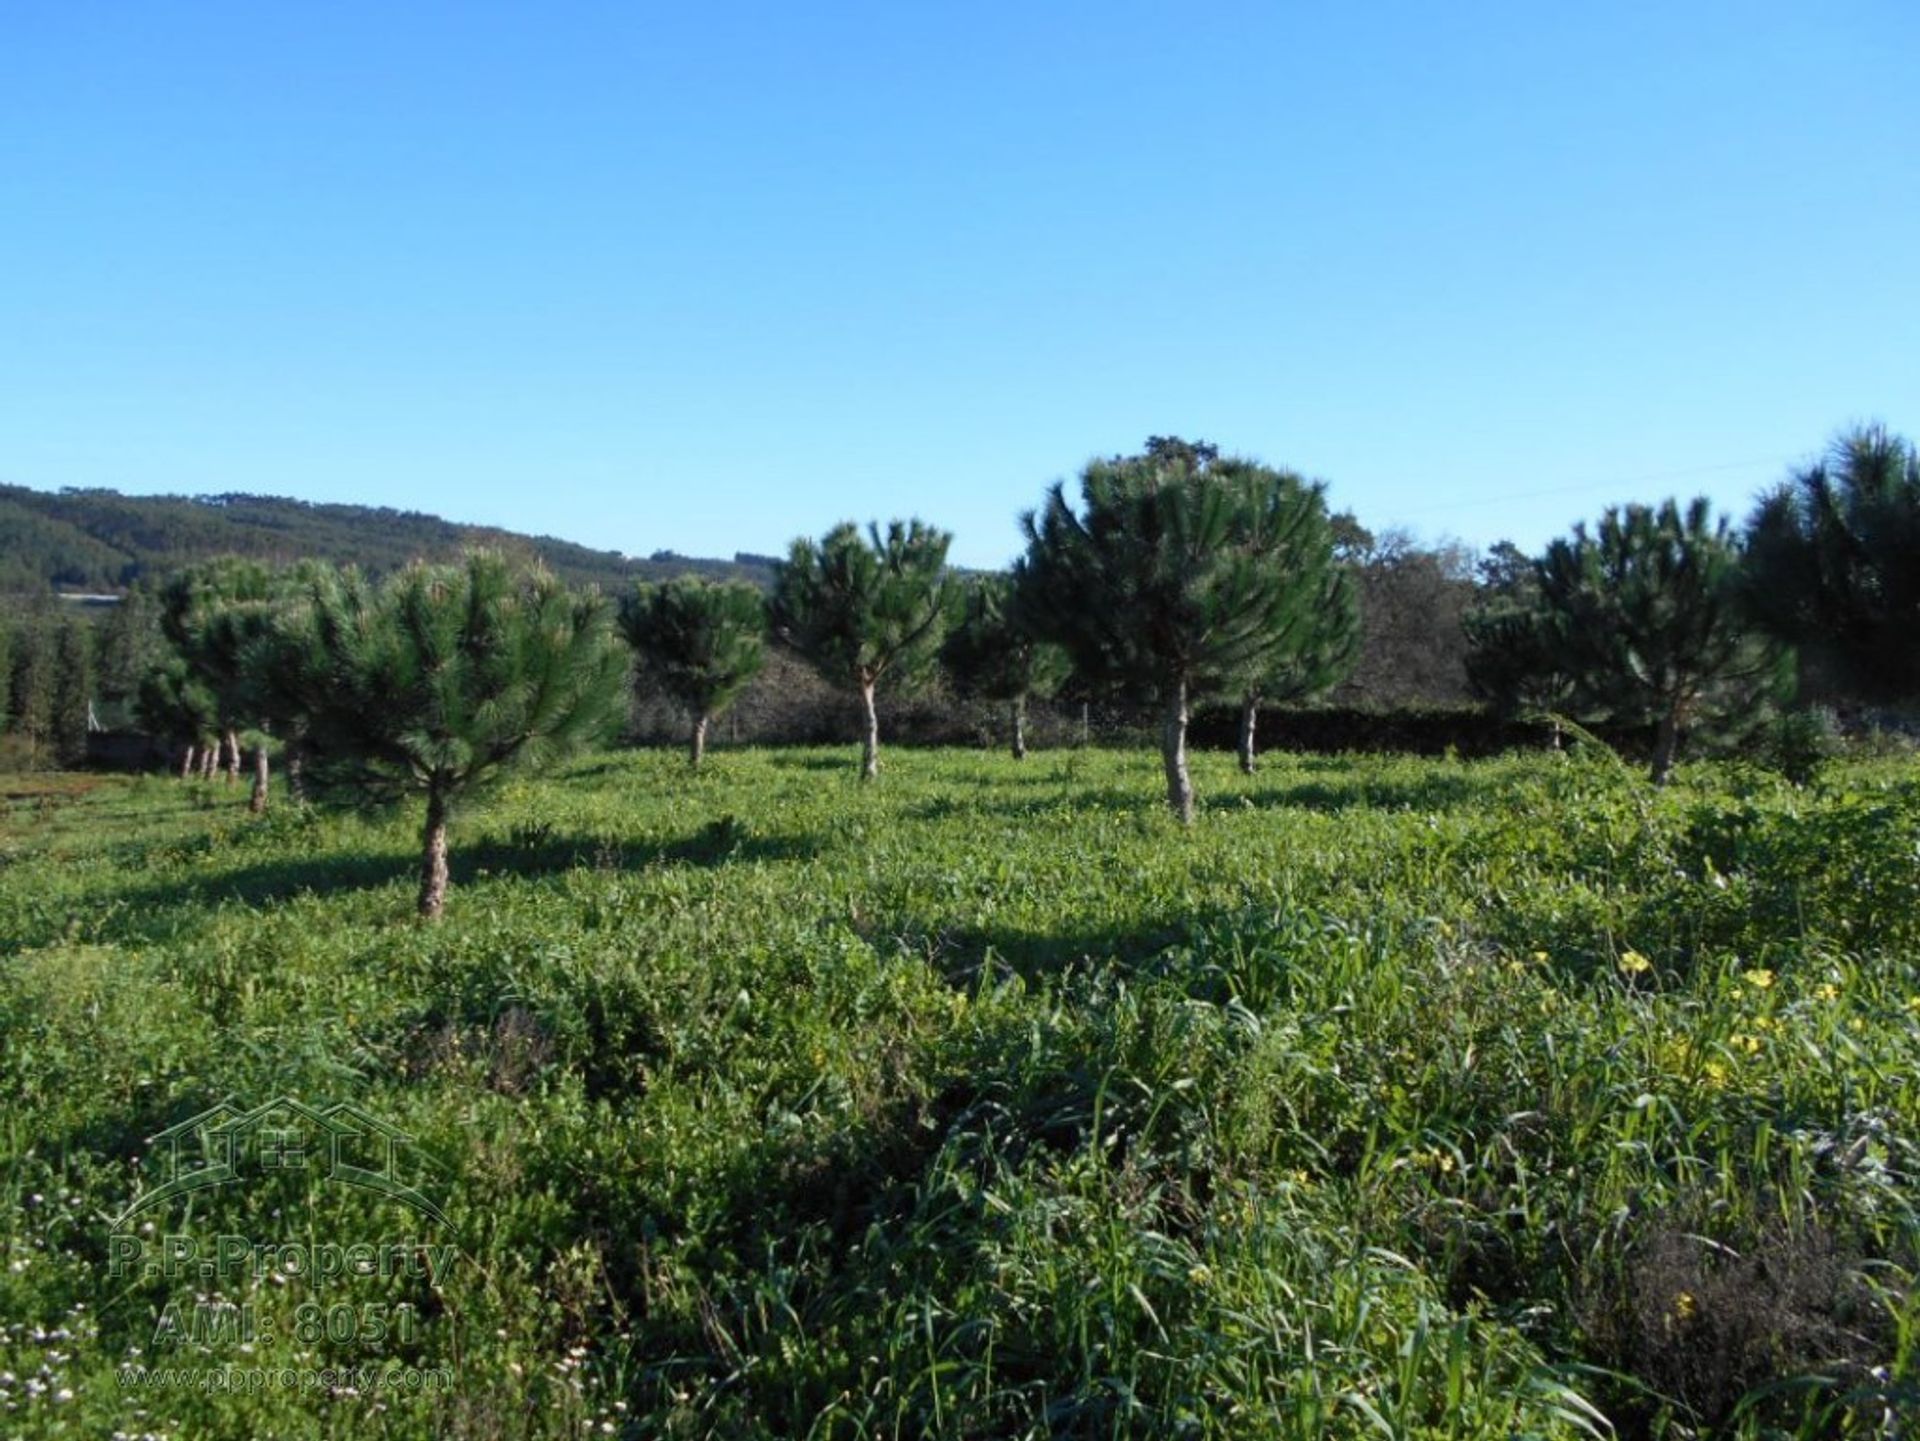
<point x="100" y="540"/>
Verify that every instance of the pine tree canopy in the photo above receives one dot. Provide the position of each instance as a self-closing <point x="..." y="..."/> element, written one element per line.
<point x="992" y="653"/>
<point x="866" y="609"/>
<point x="699" y="641"/>
<point x="1179" y="571"/>
<point x="1835" y="563"/>
<point x="444" y="677"/>
<point x="1646" y="614"/>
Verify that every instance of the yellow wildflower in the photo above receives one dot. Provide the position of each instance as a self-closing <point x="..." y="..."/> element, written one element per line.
<point x="1633" y="963"/>
<point x="1540" y="956"/>
<point x="1684" y="1305"/>
<point x="1760" y="979"/>
<point x="1716" y="1073"/>
<point x="1749" y="1044"/>
<point x="1826" y="991"/>
<point x="1200" y="1274"/>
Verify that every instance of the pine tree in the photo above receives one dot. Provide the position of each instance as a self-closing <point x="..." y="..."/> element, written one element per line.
<point x="207" y="612"/>
<point x="32" y="688"/>
<point x="1834" y="558"/>
<point x="174" y="706"/>
<point x="447" y="677"/>
<point x="1512" y="663"/>
<point x="127" y="644"/>
<point x="698" y="641"/>
<point x="6" y="672"/>
<point x="1646" y="615"/>
<point x="866" y="612"/>
<point x="1318" y="640"/>
<point x="278" y="653"/>
<point x="72" y="701"/>
<point x="1178" y="577"/>
<point x="992" y="653"/>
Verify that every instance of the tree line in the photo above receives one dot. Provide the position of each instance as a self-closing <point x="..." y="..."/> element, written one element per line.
<point x="65" y="673"/>
<point x="1174" y="576"/>
<point x="100" y="540"/>
<point x="1666" y="617"/>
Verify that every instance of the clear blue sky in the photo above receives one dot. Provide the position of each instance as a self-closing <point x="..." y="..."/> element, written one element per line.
<point x="705" y="277"/>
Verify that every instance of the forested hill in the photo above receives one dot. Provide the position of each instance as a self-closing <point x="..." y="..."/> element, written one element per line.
<point x="100" y="540"/>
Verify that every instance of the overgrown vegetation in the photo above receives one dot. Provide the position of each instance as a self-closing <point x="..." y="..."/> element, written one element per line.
<point x="1394" y="1097"/>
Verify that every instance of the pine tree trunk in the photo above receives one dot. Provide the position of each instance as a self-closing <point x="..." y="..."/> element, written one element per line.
<point x="1666" y="742"/>
<point x="1559" y="742"/>
<point x="209" y="759"/>
<point x="296" y="771"/>
<point x="257" y="802"/>
<point x="233" y="757"/>
<point x="870" y="749"/>
<point x="1249" y="718"/>
<point x="697" y="748"/>
<point x="1173" y="753"/>
<point x="1018" y="716"/>
<point x="186" y="762"/>
<point x="433" y="857"/>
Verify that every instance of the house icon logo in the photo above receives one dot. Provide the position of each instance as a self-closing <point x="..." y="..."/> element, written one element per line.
<point x="225" y="1145"/>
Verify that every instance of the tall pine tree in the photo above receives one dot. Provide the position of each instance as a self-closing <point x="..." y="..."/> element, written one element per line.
<point x="866" y="612"/>
<point x="992" y="652"/>
<point x="445" y="678"/>
<point x="700" y="642"/>
<point x="1647" y="615"/>
<point x="1178" y="575"/>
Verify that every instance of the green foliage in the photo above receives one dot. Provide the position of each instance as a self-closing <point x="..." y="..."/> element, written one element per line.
<point x="72" y="699"/>
<point x="1177" y="575"/>
<point x="128" y="642"/>
<point x="31" y="690"/>
<point x="1398" y="1097"/>
<point x="1646" y="615"/>
<point x="275" y="650"/>
<point x="1835" y="564"/>
<point x="1185" y="574"/>
<point x="444" y="678"/>
<point x="869" y="610"/>
<point x="1513" y="662"/>
<point x="1799" y="744"/>
<point x="175" y="706"/>
<point x="698" y="641"/>
<point x="992" y="653"/>
<point x="209" y="614"/>
<point x="1316" y="652"/>
<point x="101" y="540"/>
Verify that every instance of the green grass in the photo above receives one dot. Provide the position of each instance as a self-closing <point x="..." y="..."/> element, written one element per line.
<point x="986" y="1102"/>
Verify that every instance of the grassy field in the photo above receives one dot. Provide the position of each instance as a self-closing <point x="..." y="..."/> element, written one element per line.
<point x="1399" y="1098"/>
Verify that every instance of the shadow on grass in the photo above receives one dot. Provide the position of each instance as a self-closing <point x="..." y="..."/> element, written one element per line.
<point x="837" y="764"/>
<point x="965" y="956"/>
<point x="265" y="883"/>
<point x="991" y="800"/>
<point x="1441" y="792"/>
